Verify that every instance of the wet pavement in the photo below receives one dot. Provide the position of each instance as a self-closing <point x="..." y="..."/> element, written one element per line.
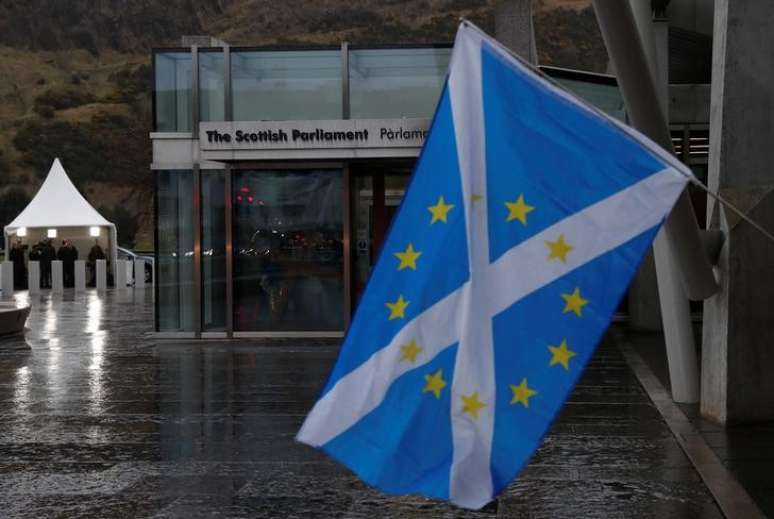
<point x="97" y="419"/>
<point x="746" y="450"/>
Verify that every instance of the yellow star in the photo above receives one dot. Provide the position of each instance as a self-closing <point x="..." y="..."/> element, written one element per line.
<point x="518" y="210"/>
<point x="561" y="355"/>
<point x="475" y="197"/>
<point x="472" y="405"/>
<point x="574" y="302"/>
<point x="435" y="383"/>
<point x="410" y="351"/>
<point x="522" y="393"/>
<point x="440" y="210"/>
<point x="408" y="258"/>
<point x="559" y="249"/>
<point x="398" y="308"/>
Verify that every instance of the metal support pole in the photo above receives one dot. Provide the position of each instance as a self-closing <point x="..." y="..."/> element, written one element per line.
<point x="345" y="80"/>
<point x="640" y="93"/>
<point x="229" y="252"/>
<point x="228" y="109"/>
<point x="197" y="256"/>
<point x="678" y="249"/>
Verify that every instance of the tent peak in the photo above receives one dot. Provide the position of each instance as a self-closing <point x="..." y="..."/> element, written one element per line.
<point x="58" y="203"/>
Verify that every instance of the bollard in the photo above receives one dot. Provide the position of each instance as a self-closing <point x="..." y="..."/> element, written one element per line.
<point x="33" y="279"/>
<point x="7" y="277"/>
<point x="139" y="273"/>
<point x="101" y="275"/>
<point x="80" y="275"/>
<point x="120" y="277"/>
<point x="57" y="277"/>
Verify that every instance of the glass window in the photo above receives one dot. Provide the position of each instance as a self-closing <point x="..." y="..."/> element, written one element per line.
<point x="211" y="86"/>
<point x="175" y="250"/>
<point x="173" y="91"/>
<point x="605" y="97"/>
<point x="213" y="251"/>
<point x="288" y="254"/>
<point x="286" y="85"/>
<point x="386" y="83"/>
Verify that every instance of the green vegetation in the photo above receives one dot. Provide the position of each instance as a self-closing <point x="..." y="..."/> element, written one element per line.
<point x="345" y="17"/>
<point x="125" y="222"/>
<point x="133" y="84"/>
<point x="12" y="202"/>
<point x="111" y="148"/>
<point x="61" y="99"/>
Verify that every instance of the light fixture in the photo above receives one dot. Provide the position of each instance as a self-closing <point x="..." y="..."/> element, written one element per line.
<point x="21" y="232"/>
<point x="94" y="231"/>
<point x="51" y="233"/>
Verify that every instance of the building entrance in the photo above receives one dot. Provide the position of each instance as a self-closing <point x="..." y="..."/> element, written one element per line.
<point x="376" y="195"/>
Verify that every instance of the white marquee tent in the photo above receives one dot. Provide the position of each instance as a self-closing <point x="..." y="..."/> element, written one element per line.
<point x="59" y="211"/>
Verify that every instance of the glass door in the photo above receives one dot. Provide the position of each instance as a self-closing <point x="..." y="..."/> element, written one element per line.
<point x="288" y="250"/>
<point x="377" y="194"/>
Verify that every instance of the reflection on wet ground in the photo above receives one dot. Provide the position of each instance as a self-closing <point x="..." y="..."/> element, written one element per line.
<point x="99" y="420"/>
<point x="746" y="450"/>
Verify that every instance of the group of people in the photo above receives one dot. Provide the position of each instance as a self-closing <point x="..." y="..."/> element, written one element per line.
<point x="45" y="252"/>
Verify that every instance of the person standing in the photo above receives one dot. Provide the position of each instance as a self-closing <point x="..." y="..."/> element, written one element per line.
<point x="47" y="255"/>
<point x="19" y="270"/>
<point x="96" y="253"/>
<point x="35" y="252"/>
<point x="67" y="255"/>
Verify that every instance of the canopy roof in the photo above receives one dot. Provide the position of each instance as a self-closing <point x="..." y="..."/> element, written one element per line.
<point x="58" y="204"/>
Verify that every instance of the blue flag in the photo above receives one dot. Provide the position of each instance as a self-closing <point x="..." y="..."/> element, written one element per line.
<point x="525" y="220"/>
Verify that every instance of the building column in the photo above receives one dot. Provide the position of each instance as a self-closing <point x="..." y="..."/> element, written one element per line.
<point x="738" y="334"/>
<point x="514" y="28"/>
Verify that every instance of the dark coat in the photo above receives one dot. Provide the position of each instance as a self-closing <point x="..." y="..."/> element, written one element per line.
<point x="35" y="253"/>
<point x="67" y="254"/>
<point x="47" y="254"/>
<point x="96" y="253"/>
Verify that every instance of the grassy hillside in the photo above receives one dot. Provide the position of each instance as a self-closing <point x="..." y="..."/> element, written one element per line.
<point x="76" y="75"/>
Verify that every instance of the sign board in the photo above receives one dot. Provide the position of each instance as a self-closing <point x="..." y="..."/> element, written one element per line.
<point x="313" y="135"/>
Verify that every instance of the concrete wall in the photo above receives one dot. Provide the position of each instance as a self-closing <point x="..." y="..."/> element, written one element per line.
<point x="738" y="332"/>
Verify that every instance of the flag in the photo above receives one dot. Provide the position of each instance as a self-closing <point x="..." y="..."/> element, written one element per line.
<point x="525" y="220"/>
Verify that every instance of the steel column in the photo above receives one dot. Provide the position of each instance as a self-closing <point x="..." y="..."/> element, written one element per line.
<point x="345" y="114"/>
<point x="197" y="229"/>
<point x="195" y="90"/>
<point x="347" y="246"/>
<point x="229" y="254"/>
<point x="228" y="110"/>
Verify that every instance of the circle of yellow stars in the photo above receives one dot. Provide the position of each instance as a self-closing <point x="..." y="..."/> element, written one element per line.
<point x="574" y="302"/>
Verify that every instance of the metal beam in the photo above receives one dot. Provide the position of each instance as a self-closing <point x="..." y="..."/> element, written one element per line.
<point x="640" y="94"/>
<point x="197" y="233"/>
<point x="345" y="113"/>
